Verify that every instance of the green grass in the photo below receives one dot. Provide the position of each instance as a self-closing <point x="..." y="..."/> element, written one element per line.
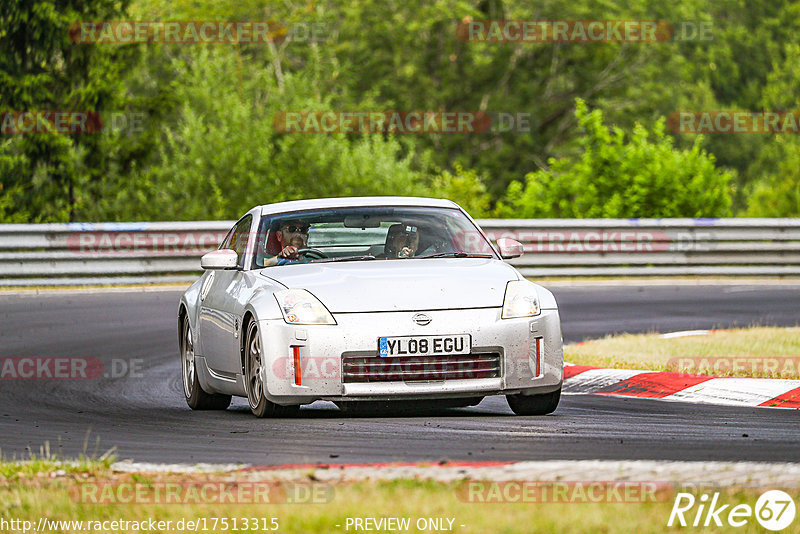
<point x="32" y="468"/>
<point x="765" y="352"/>
<point x="33" y="289"/>
<point x="55" y="498"/>
<point x="46" y="463"/>
<point x="694" y="279"/>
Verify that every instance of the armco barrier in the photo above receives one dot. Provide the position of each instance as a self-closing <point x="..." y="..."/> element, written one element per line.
<point x="120" y="253"/>
<point x="105" y="253"/>
<point x="653" y="247"/>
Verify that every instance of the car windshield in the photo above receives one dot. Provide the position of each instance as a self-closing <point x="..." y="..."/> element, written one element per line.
<point x="369" y="233"/>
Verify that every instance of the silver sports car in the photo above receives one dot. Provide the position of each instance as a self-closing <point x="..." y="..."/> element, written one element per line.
<point x="362" y="301"/>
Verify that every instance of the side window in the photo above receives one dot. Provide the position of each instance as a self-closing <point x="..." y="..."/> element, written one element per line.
<point x="226" y="243"/>
<point x="239" y="238"/>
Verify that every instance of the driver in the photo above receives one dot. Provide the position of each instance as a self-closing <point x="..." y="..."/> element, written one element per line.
<point x="292" y="236"/>
<point x="402" y="241"/>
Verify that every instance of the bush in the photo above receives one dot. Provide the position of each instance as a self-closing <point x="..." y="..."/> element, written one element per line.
<point x="618" y="177"/>
<point x="221" y="155"/>
<point x="464" y="187"/>
<point x="778" y="193"/>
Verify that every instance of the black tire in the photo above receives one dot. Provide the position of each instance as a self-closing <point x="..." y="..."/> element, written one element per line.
<point x="196" y="397"/>
<point x="534" y="404"/>
<point x="253" y="361"/>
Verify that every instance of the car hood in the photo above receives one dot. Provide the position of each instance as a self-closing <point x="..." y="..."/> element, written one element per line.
<point x="400" y="285"/>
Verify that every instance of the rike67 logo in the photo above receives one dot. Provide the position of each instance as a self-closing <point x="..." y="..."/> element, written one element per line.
<point x="774" y="510"/>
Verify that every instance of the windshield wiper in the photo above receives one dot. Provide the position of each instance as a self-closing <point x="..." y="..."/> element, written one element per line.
<point x="456" y="255"/>
<point x="345" y="258"/>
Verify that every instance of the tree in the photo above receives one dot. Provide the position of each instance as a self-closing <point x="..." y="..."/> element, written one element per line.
<point x="464" y="187"/>
<point x="41" y="69"/>
<point x="776" y="192"/>
<point x="221" y="154"/>
<point x="372" y="55"/>
<point x="641" y="175"/>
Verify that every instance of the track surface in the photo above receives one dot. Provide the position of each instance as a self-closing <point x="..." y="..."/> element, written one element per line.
<point x="146" y="418"/>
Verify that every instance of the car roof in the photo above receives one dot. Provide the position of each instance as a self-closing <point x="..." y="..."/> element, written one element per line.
<point x="354" y="202"/>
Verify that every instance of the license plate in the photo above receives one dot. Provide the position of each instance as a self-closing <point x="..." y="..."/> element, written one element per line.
<point x="424" y="345"/>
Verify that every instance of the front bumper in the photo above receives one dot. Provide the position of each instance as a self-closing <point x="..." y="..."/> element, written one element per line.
<point x="321" y="348"/>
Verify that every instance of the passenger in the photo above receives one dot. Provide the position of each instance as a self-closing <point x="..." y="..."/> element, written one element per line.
<point x="402" y="241"/>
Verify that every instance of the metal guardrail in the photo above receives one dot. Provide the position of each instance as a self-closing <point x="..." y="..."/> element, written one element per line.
<point x="653" y="247"/>
<point x="105" y="253"/>
<point x="125" y="253"/>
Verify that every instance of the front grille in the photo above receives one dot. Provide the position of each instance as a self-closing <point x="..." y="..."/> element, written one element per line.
<point x="420" y="368"/>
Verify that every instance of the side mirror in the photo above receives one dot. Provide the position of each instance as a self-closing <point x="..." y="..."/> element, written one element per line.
<point x="509" y="248"/>
<point x="220" y="259"/>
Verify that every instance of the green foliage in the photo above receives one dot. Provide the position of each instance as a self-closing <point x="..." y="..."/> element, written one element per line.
<point x="464" y="187"/>
<point x="8" y="200"/>
<point x="42" y="70"/>
<point x="641" y="175"/>
<point x="778" y="193"/>
<point x="208" y="148"/>
<point x="221" y="155"/>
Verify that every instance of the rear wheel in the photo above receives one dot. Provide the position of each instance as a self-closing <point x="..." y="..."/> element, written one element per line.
<point x="254" y="378"/>
<point x="196" y="398"/>
<point x="534" y="404"/>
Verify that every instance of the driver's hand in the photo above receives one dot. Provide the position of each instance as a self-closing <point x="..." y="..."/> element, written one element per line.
<point x="289" y="252"/>
<point x="405" y="252"/>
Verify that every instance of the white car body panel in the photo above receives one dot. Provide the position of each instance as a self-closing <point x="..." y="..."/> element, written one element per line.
<point x="416" y="284"/>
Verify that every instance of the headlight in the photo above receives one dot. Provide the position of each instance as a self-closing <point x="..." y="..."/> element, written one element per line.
<point x="521" y="300"/>
<point x="301" y="307"/>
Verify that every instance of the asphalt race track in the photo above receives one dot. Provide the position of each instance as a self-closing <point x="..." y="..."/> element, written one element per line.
<point x="146" y="419"/>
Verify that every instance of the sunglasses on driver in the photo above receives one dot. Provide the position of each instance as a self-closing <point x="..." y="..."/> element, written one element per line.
<point x="298" y="229"/>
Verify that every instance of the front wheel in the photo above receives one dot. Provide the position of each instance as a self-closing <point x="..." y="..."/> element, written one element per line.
<point x="196" y="398"/>
<point x="534" y="404"/>
<point x="254" y="378"/>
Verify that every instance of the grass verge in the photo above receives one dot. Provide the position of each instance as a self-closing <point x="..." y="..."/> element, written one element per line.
<point x="763" y="352"/>
<point x="34" y="493"/>
<point x="93" y="287"/>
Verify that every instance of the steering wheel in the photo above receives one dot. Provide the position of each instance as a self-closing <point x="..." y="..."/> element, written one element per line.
<point x="313" y="253"/>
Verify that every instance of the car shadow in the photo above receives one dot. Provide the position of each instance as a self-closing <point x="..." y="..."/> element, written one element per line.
<point x="328" y="410"/>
